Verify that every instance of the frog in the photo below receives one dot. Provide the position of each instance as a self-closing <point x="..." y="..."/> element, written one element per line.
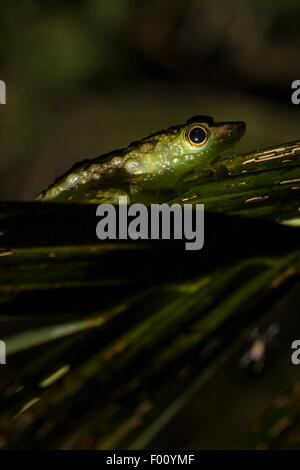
<point x="150" y="170"/>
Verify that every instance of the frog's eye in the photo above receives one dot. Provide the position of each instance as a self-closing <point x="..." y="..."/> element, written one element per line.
<point x="196" y="135"/>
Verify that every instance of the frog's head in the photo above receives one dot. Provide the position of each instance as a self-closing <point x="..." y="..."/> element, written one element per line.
<point x="182" y="148"/>
<point x="203" y="138"/>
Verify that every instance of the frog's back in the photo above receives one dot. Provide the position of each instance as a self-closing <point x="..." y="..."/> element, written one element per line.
<point x="84" y="177"/>
<point x="85" y="180"/>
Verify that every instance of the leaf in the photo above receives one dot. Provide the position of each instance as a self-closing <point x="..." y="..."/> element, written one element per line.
<point x="108" y="341"/>
<point x="265" y="183"/>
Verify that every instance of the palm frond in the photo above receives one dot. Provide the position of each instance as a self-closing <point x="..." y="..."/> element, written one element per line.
<point x="108" y="341"/>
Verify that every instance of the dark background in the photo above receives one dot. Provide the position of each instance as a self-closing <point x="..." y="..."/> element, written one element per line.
<point x="84" y="78"/>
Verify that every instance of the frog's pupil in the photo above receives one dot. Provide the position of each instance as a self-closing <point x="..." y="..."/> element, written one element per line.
<point x="197" y="135"/>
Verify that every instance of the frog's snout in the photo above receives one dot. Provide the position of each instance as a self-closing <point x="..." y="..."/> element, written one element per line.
<point x="233" y="130"/>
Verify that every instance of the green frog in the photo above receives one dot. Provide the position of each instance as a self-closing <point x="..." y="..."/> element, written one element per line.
<point x="150" y="170"/>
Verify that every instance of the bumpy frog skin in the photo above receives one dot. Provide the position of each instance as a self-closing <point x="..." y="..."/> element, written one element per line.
<point x="147" y="169"/>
